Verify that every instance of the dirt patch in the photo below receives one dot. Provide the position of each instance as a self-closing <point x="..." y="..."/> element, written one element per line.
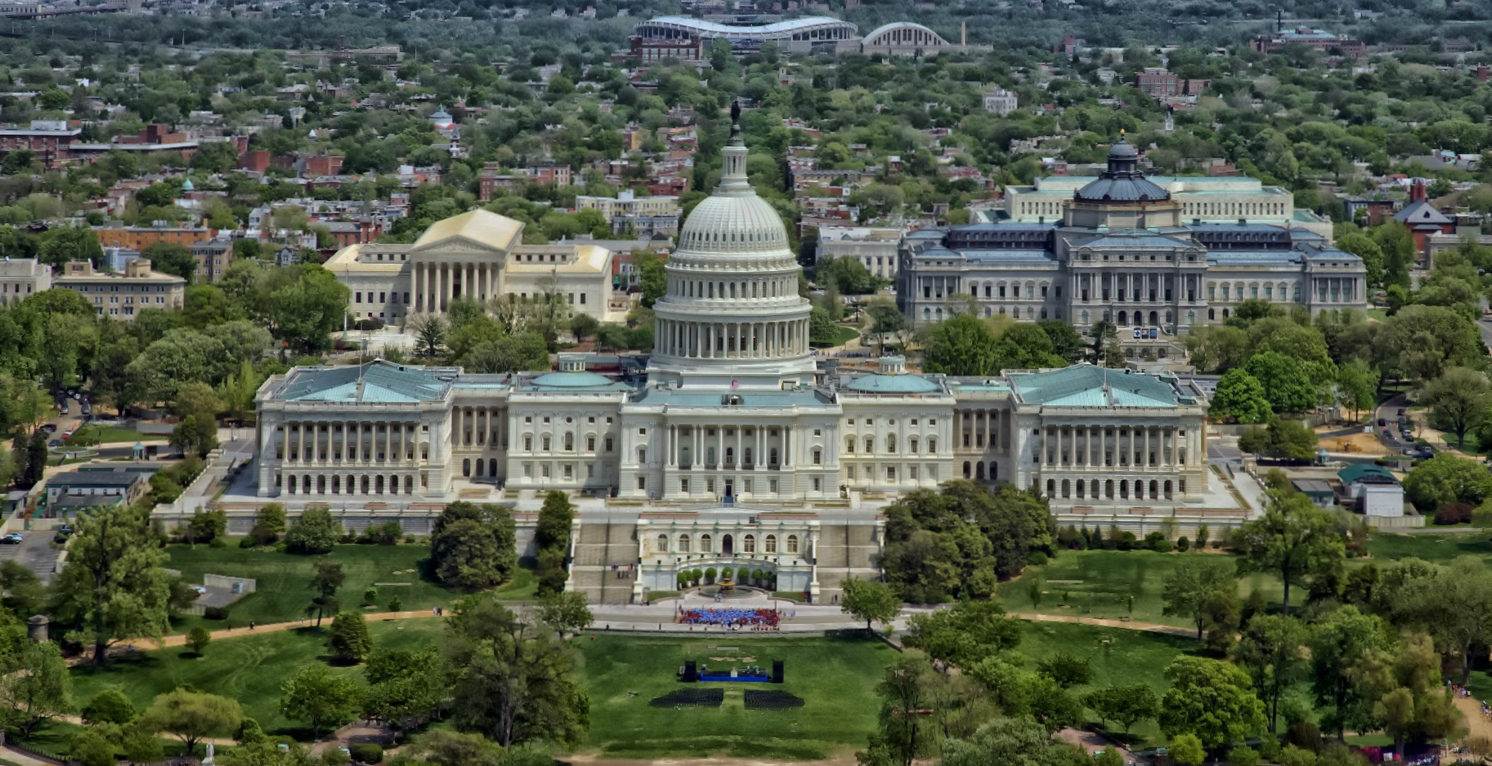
<point x="1356" y="444"/>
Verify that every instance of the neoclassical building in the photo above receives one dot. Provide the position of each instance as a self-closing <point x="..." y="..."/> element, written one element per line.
<point x="1122" y="247"/>
<point x="737" y="448"/>
<point x="476" y="255"/>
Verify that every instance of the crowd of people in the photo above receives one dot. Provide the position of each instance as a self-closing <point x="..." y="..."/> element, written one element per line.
<point x="733" y="619"/>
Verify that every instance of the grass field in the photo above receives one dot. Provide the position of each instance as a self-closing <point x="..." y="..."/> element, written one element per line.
<point x="250" y="670"/>
<point x="1102" y="584"/>
<point x="835" y="676"/>
<point x="284" y="579"/>
<point x="1441" y="548"/>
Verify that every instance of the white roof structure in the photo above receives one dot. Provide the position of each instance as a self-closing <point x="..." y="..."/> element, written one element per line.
<point x="811" y="28"/>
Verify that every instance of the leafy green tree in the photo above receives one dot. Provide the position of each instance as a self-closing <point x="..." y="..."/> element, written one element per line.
<point x="314" y="532"/>
<point x="1240" y="399"/>
<point x="1067" y="669"/>
<point x="1211" y="700"/>
<point x="552" y="536"/>
<point x="192" y="716"/>
<point x="1339" y="641"/>
<point x="515" y="675"/>
<point x="402" y="686"/>
<point x="870" y="601"/>
<point x="429" y="331"/>
<point x="1453" y="604"/>
<point x="1446" y="479"/>
<point x="95" y="746"/>
<point x="269" y="522"/>
<point x="317" y="696"/>
<point x="1459" y="399"/>
<point x="1125" y="705"/>
<point x="348" y="638"/>
<point x="651" y="275"/>
<point x="70" y="243"/>
<point x="1008" y="741"/>
<point x="37" y="689"/>
<point x="473" y="547"/>
<point x="565" y="612"/>
<point x="114" y="587"/>
<point x="1186" y="749"/>
<point x="109" y="706"/>
<point x="1292" y="539"/>
<point x="196" y="435"/>
<point x="1287" y="383"/>
<point x="198" y="638"/>
<point x="1357" y="386"/>
<point x="965" y="634"/>
<point x="904" y="732"/>
<point x="1273" y="650"/>
<point x="1407" y="694"/>
<point x="963" y="345"/>
<point x="326" y="578"/>
<point x="173" y="259"/>
<point x="1187" y="588"/>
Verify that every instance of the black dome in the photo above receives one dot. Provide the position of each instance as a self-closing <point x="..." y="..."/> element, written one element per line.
<point x="1123" y="181"/>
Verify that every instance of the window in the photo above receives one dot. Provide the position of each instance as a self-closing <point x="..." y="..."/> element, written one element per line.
<point x="683" y="543"/>
<point x="704" y="544"/>
<point x="663" y="543"/>
<point x="544" y="442"/>
<point x="749" y="544"/>
<point x="890" y="473"/>
<point x="771" y="544"/>
<point x="642" y="482"/>
<point x="849" y="445"/>
<point x="792" y="543"/>
<point x="818" y="457"/>
<point x="528" y="444"/>
<point x="684" y="486"/>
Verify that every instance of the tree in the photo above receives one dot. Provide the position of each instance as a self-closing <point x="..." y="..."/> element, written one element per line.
<point x="348" y="638"/>
<point x="1067" y="669"/>
<point x="402" y="686"/>
<point x="114" y="586"/>
<point x="870" y="601"/>
<point x="1357" y="386"/>
<point x="198" y="638"/>
<point x="904" y="732"/>
<point x="552" y="535"/>
<point x="429" y="331"/>
<point x="583" y="326"/>
<point x="95" y="746"/>
<point x="963" y="345"/>
<point x="1338" y="643"/>
<point x="473" y="547"/>
<point x="1446" y="479"/>
<point x="1287" y="383"/>
<point x="314" y="532"/>
<point x="195" y="435"/>
<point x="37" y="689"/>
<point x="652" y="277"/>
<point x="326" y="578"/>
<point x="1454" y="605"/>
<point x="1126" y="705"/>
<point x="1406" y="692"/>
<point x="1187" y="750"/>
<point x="1188" y="587"/>
<point x="1211" y="699"/>
<point x="514" y="675"/>
<point x="192" y="716"/>
<point x="1292" y="539"/>
<point x="1273" y="652"/>
<point x="269" y="523"/>
<point x="1459" y="399"/>
<point x="965" y="634"/>
<point x="565" y="612"/>
<point x="109" y="706"/>
<point x="1240" y="399"/>
<point x="1012" y="742"/>
<point x="317" y="696"/>
<point x="442" y="747"/>
<point x="171" y="258"/>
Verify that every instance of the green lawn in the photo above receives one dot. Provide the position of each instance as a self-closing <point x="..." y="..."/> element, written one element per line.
<point x="284" y="579"/>
<point x="835" y="676"/>
<point x="1441" y="549"/>
<point x="1102" y="583"/>
<point x="842" y="335"/>
<point x="250" y="670"/>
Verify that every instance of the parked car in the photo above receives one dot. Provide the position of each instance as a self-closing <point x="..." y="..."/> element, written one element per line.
<point x="49" y="427"/>
<point x="14" y="538"/>
<point x="63" y="533"/>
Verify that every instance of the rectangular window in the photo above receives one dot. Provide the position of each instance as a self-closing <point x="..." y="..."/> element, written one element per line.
<point x="684" y="486"/>
<point x="890" y="473"/>
<point x="642" y="482"/>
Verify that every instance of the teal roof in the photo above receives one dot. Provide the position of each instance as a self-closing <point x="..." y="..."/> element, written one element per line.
<point x="1353" y="473"/>
<point x="876" y="383"/>
<point x="375" y="382"/>
<point x="577" y="381"/>
<point x="1087" y="386"/>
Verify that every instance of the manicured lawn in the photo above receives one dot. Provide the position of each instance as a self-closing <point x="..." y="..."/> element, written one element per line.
<point x="1102" y="583"/>
<point x="250" y="670"/>
<point x="1116" y="656"/>
<point x="284" y="580"/>
<point x="114" y="434"/>
<point x="1441" y="549"/>
<point x="836" y="677"/>
<point x="842" y="335"/>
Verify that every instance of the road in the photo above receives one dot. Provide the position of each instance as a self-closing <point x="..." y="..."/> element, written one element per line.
<point x="35" y="552"/>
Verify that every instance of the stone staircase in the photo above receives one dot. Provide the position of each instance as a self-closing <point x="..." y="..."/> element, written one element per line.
<point x="599" y="546"/>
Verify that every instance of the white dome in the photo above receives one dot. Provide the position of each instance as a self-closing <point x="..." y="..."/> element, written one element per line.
<point x="734" y="224"/>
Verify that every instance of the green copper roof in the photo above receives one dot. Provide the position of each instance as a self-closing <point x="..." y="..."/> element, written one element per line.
<point x="1354" y="473"/>
<point x="876" y="383"/>
<point x="376" y="382"/>
<point x="576" y="381"/>
<point x="1087" y="386"/>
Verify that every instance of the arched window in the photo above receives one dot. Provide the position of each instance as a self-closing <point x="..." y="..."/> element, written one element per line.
<point x="466" y="467"/>
<point x="704" y="544"/>
<point x="967" y="468"/>
<point x="528" y="444"/>
<point x="569" y="441"/>
<point x="792" y="543"/>
<point x="870" y="445"/>
<point x="642" y="454"/>
<point x="912" y="445"/>
<point x="891" y="443"/>
<point x="683" y="543"/>
<point x="544" y="442"/>
<point x="771" y="543"/>
<point x="932" y="446"/>
<point x="849" y="445"/>
<point x="749" y="544"/>
<point x="663" y="543"/>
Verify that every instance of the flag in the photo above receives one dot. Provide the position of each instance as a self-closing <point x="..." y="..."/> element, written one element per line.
<point x="735" y="384"/>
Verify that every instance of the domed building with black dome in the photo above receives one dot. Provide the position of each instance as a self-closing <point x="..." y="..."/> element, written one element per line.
<point x="734" y="447"/>
<point x="1155" y="256"/>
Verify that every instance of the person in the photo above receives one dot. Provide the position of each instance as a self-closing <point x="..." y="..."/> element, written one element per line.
<point x="251" y="624"/>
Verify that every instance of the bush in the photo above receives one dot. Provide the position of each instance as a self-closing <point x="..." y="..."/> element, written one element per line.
<point x="109" y="706"/>
<point x="1161" y="546"/>
<point x="1243" y="755"/>
<point x="395" y="605"/>
<point x="366" y="752"/>
<point x="370" y="596"/>
<point x="1304" y="735"/>
<point x="710" y="575"/>
<point x="1454" y="513"/>
<point x="1291" y="755"/>
<point x="1036" y="558"/>
<point x="215" y="613"/>
<point x="1183" y="544"/>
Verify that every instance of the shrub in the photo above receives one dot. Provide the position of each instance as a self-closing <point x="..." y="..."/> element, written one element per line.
<point x="395" y="605"/>
<point x="370" y="596"/>
<point x="1243" y="755"/>
<point x="1304" y="735"/>
<point x="757" y="577"/>
<point x="109" y="706"/>
<point x="198" y="638"/>
<point x="1161" y="546"/>
<point x="1454" y="513"/>
<point x="743" y="575"/>
<point x="1183" y="544"/>
<point x="1036" y="558"/>
<point x="348" y="639"/>
<point x="709" y="575"/>
<point x="215" y="613"/>
<point x="366" y="752"/>
<point x="1291" y="755"/>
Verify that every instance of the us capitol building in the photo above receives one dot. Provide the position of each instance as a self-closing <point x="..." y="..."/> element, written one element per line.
<point x="737" y="449"/>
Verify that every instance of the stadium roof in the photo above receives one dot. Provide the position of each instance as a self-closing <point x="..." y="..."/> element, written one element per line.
<point x="775" y="30"/>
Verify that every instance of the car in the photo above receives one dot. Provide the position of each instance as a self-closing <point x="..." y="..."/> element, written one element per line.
<point x="55" y="443"/>
<point x="64" y="409"/>
<point x="49" y="427"/>
<point x="1402" y="412"/>
<point x="1382" y="422"/>
<point x="199" y="590"/>
<point x="14" y="538"/>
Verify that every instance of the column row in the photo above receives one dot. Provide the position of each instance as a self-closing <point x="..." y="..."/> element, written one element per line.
<point x="747" y="448"/>
<point x="982" y="428"/>
<point x="478" y="426"/>
<point x="435" y="284"/>
<point x="352" y="442"/>
<point x="1097" y="446"/>
<point x="732" y="340"/>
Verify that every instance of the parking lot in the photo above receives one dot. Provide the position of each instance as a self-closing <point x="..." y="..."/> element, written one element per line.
<point x="35" y="552"/>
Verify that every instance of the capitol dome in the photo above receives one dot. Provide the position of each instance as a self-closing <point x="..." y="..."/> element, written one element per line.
<point x="1123" y="181"/>
<point x="732" y="313"/>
